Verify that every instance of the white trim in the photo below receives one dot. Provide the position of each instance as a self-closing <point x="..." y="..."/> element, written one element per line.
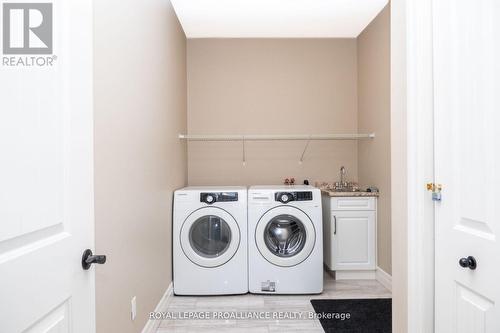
<point x="420" y="166"/>
<point x="399" y="133"/>
<point x="152" y="325"/>
<point x="412" y="165"/>
<point x="384" y="278"/>
<point x="355" y="275"/>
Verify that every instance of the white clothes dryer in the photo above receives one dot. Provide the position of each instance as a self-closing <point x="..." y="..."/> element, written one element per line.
<point x="210" y="241"/>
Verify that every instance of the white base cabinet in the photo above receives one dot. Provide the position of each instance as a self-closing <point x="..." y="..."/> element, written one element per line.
<point x="349" y="236"/>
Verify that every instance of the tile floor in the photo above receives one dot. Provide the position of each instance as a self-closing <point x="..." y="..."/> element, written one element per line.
<point x="269" y="303"/>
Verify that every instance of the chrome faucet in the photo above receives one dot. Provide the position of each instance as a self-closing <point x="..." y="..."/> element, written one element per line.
<point x="343" y="180"/>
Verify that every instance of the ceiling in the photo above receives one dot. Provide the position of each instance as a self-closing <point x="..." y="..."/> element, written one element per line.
<point x="276" y="18"/>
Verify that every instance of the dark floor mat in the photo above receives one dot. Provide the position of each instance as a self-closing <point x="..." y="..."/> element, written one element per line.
<point x="354" y="315"/>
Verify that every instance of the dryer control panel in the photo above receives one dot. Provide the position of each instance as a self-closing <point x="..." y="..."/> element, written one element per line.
<point x="285" y="197"/>
<point x="213" y="197"/>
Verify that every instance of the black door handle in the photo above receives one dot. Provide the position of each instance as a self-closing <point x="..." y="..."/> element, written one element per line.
<point x="469" y="262"/>
<point x="88" y="258"/>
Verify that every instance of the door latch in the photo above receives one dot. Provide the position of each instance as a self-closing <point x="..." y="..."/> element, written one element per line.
<point x="436" y="191"/>
<point x="88" y="258"/>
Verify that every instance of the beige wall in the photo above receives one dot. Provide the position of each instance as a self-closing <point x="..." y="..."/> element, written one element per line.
<point x="140" y="107"/>
<point x="399" y="167"/>
<point x="374" y="115"/>
<point x="271" y="86"/>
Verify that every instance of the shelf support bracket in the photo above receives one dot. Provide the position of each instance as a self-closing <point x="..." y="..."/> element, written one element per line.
<point x="243" y="152"/>
<point x="304" y="151"/>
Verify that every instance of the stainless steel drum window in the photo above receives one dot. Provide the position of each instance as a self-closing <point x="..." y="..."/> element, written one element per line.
<point x="285" y="235"/>
<point x="210" y="236"/>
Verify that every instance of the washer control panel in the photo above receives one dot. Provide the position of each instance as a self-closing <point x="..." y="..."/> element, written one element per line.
<point x="210" y="198"/>
<point x="285" y="197"/>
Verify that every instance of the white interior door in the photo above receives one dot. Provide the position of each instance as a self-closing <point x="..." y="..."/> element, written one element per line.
<point x="46" y="177"/>
<point x="467" y="163"/>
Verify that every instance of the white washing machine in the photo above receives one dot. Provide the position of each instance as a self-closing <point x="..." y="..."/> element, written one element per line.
<point x="210" y="241"/>
<point x="285" y="240"/>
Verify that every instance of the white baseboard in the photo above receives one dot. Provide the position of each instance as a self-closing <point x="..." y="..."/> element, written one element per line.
<point x="355" y="275"/>
<point x="152" y="325"/>
<point x="384" y="278"/>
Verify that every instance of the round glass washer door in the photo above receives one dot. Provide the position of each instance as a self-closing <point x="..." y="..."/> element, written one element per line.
<point x="285" y="236"/>
<point x="210" y="237"/>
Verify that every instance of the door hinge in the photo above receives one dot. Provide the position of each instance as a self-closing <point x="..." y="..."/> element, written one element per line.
<point x="436" y="191"/>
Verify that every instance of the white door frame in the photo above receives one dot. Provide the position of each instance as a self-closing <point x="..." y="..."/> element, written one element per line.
<point x="412" y="165"/>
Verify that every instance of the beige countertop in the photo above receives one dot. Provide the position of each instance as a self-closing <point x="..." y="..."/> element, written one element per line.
<point x="349" y="194"/>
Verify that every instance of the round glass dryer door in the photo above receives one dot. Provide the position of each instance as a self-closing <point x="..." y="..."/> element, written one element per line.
<point x="210" y="237"/>
<point x="285" y="236"/>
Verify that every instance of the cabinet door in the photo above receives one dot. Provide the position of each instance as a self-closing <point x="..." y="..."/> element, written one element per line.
<point x="354" y="244"/>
